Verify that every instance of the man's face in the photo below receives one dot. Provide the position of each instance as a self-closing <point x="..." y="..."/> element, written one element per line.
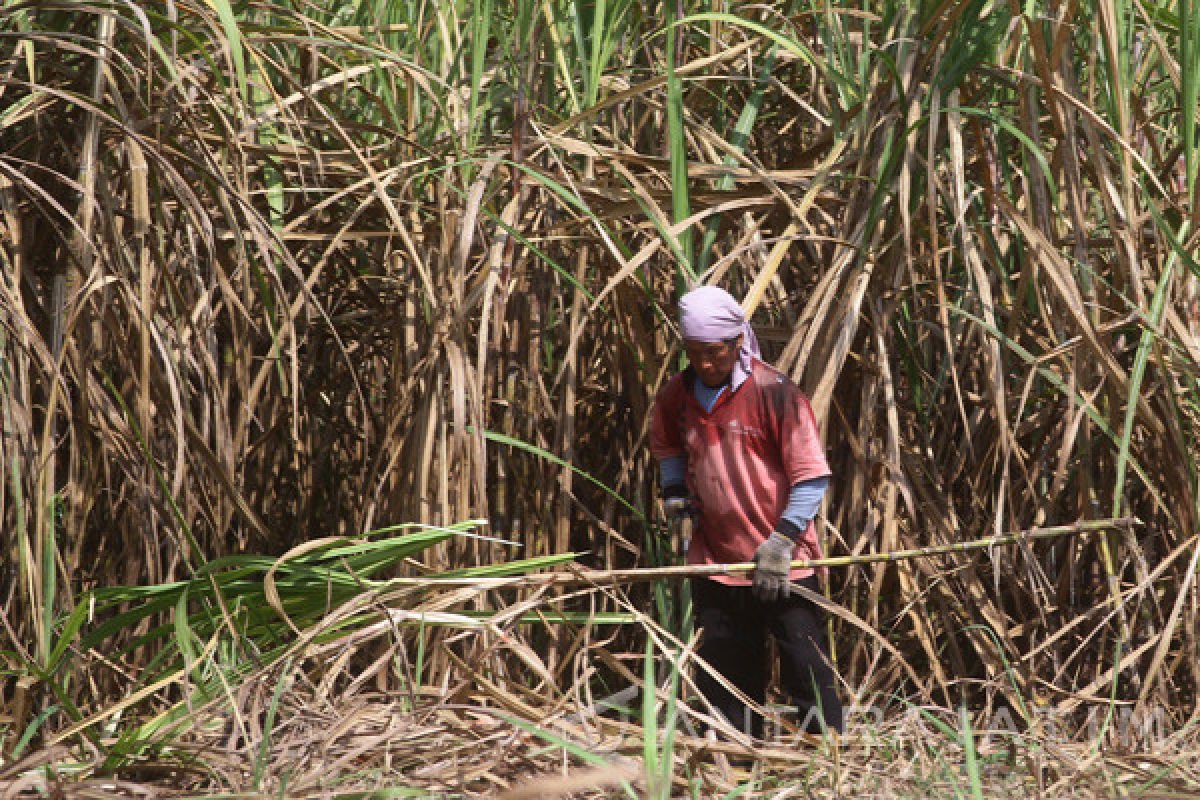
<point x="713" y="361"/>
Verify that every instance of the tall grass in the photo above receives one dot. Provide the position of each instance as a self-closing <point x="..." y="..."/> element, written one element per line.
<point x="279" y="271"/>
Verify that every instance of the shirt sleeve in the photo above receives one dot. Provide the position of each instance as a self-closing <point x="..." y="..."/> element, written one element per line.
<point x="800" y="447"/>
<point x="665" y="439"/>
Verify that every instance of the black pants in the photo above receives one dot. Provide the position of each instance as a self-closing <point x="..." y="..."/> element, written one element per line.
<point x="735" y="625"/>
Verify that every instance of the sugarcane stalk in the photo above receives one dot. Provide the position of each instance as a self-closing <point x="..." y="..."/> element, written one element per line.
<point x="614" y="577"/>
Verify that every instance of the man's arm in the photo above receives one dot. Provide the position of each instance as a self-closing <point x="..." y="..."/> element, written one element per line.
<point x="667" y="446"/>
<point x="803" y="461"/>
<point x="772" y="561"/>
<point x="804" y="500"/>
<point x="665" y="440"/>
<point x="673" y="475"/>
<point x="666" y="443"/>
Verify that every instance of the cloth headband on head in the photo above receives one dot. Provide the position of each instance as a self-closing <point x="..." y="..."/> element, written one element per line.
<point x="710" y="314"/>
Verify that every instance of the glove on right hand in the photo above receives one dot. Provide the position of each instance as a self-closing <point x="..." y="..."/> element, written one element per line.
<point x="680" y="512"/>
<point x="678" y="508"/>
<point x="677" y="503"/>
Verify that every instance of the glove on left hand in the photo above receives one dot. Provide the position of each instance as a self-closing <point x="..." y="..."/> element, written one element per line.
<point x="772" y="562"/>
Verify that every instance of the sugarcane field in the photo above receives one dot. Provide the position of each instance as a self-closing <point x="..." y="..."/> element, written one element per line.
<point x="599" y="399"/>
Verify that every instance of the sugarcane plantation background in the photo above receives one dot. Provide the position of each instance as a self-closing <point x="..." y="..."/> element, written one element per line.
<point x="274" y="273"/>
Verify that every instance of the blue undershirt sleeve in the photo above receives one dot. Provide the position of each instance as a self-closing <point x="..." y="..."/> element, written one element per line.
<point x="673" y="474"/>
<point x="804" y="499"/>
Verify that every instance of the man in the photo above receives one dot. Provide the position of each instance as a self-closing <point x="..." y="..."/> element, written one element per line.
<point x="738" y="448"/>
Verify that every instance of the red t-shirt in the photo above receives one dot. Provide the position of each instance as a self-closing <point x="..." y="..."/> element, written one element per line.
<point x="742" y="459"/>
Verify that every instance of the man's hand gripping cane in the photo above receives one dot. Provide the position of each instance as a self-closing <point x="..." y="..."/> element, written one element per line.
<point x="680" y="517"/>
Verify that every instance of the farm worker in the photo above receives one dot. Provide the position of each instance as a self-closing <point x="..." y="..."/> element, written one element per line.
<point x="738" y="448"/>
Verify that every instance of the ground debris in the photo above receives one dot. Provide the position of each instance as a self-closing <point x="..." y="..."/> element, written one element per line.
<point x="375" y="745"/>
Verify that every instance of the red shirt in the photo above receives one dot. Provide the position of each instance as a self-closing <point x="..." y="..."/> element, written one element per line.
<point x="742" y="459"/>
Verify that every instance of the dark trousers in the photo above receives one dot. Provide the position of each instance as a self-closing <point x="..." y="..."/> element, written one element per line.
<point x="735" y="626"/>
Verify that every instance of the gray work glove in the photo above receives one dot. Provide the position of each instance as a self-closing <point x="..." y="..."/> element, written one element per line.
<point x="772" y="563"/>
